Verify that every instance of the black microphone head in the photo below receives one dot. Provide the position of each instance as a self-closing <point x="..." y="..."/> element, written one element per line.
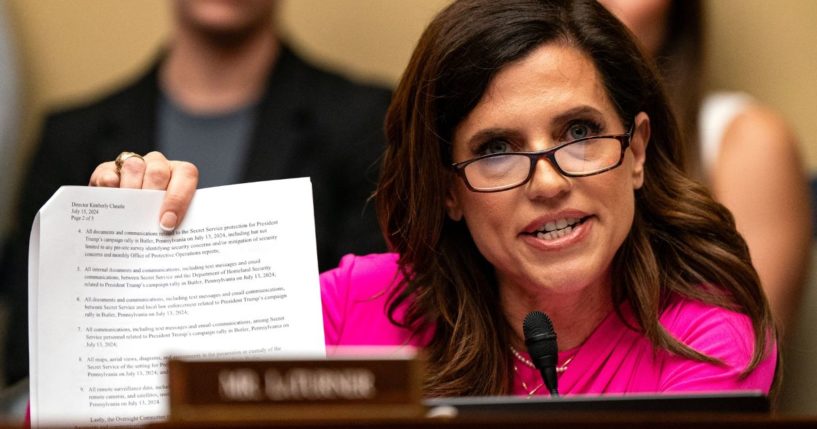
<point x="537" y="324"/>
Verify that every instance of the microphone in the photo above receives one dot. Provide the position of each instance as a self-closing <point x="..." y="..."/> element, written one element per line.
<point x="540" y="339"/>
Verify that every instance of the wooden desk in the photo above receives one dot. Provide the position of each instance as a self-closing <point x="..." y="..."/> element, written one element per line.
<point x="545" y="421"/>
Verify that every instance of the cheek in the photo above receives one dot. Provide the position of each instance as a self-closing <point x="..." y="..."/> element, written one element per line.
<point x="487" y="217"/>
<point x="615" y="194"/>
<point x="479" y="210"/>
<point x="622" y="208"/>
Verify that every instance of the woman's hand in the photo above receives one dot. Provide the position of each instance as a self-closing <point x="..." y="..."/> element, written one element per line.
<point x="153" y="171"/>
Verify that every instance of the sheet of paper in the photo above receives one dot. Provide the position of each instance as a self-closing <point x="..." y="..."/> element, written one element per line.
<point x="111" y="296"/>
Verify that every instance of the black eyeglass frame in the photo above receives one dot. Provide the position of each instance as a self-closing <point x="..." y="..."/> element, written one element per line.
<point x="623" y="139"/>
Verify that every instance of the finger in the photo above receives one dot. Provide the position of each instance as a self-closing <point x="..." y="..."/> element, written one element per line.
<point x="132" y="173"/>
<point x="184" y="177"/>
<point x="157" y="171"/>
<point x="104" y="175"/>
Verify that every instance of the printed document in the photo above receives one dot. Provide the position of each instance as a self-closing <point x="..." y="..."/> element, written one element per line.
<point x="112" y="296"/>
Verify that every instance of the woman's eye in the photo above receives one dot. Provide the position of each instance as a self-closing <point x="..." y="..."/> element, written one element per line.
<point x="494" y="146"/>
<point x="578" y="131"/>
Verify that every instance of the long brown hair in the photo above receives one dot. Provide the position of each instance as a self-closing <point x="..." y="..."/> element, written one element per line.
<point x="681" y="238"/>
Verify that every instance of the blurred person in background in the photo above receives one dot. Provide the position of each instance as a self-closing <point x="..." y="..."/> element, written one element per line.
<point x="745" y="151"/>
<point x="9" y="148"/>
<point x="228" y="94"/>
<point x="9" y="117"/>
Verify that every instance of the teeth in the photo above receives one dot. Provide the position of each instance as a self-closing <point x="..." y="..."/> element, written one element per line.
<point x="552" y="235"/>
<point x="559" y="224"/>
<point x="557" y="229"/>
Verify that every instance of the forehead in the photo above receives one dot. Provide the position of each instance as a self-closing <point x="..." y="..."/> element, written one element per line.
<point x="552" y="79"/>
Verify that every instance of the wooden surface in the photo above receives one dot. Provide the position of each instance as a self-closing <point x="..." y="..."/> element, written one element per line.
<point x="549" y="421"/>
<point x="544" y="421"/>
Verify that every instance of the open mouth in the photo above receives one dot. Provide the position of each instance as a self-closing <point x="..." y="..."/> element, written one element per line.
<point x="557" y="229"/>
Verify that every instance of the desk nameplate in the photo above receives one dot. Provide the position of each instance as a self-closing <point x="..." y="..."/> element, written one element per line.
<point x="294" y="389"/>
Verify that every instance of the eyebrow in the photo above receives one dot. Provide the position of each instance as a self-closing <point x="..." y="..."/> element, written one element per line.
<point x="493" y="133"/>
<point x="497" y="132"/>
<point x="583" y="110"/>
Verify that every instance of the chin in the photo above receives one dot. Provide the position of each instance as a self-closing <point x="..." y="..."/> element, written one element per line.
<point x="569" y="275"/>
<point x="226" y="16"/>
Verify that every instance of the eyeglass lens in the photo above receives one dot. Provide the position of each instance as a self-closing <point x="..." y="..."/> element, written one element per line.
<point x="579" y="158"/>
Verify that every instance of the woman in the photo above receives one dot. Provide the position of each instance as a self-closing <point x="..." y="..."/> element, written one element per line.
<point x="731" y="134"/>
<point x="533" y="164"/>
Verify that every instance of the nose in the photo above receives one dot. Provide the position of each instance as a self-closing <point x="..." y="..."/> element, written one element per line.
<point x="547" y="181"/>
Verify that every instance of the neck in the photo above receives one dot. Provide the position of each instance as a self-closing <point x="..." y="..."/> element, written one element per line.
<point x="575" y="315"/>
<point x="206" y="77"/>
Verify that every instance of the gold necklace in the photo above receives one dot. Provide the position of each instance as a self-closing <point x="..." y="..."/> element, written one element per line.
<point x="559" y="369"/>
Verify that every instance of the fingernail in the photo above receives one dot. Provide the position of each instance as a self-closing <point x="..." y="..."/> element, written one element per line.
<point x="168" y="221"/>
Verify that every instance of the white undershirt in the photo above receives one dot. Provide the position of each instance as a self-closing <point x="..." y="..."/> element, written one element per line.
<point x="717" y="112"/>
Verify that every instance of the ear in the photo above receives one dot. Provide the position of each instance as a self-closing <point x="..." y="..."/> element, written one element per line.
<point x="638" y="146"/>
<point x="452" y="205"/>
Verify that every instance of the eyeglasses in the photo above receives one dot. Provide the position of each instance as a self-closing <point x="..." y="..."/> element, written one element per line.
<point x="577" y="158"/>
